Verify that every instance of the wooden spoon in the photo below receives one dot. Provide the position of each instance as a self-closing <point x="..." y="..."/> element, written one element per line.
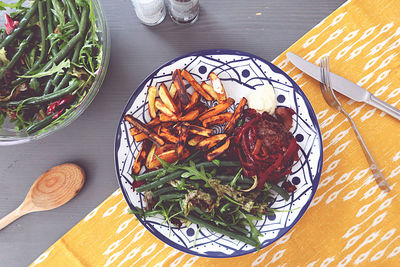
<point x="51" y="190"/>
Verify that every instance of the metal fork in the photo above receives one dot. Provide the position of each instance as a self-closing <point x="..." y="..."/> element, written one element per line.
<point x="332" y="101"/>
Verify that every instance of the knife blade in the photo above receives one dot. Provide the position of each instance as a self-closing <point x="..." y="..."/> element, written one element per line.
<point x="343" y="86"/>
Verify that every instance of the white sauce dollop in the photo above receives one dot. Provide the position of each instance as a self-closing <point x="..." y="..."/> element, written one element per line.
<point x="263" y="99"/>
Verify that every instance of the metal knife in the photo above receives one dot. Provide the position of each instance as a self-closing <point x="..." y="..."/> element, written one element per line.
<point x="343" y="86"/>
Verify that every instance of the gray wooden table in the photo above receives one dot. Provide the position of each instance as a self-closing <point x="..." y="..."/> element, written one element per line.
<point x="136" y="50"/>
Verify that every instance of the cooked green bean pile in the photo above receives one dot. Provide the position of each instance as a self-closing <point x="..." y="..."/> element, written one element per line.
<point x="202" y="193"/>
<point x="50" y="54"/>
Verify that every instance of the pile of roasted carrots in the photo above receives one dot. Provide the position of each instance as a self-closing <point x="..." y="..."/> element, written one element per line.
<point x="182" y="123"/>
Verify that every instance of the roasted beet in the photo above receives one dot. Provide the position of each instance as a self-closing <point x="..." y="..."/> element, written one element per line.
<point x="265" y="146"/>
<point x="284" y="115"/>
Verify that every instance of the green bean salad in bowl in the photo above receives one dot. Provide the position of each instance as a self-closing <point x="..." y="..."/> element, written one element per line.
<point x="54" y="56"/>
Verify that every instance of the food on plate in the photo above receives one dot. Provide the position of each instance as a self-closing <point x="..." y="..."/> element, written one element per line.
<point x="180" y="87"/>
<point x="211" y="141"/>
<point x="196" y="86"/>
<point x="222" y="179"/>
<point x="218" y="87"/>
<point x="236" y="115"/>
<point x="217" y="119"/>
<point x="145" y="129"/>
<point x="152" y="101"/>
<point x="50" y="54"/>
<point x="263" y="99"/>
<point x="210" y="90"/>
<point x="141" y="157"/>
<point x="266" y="147"/>
<point x="167" y="99"/>
<point x="217" y="109"/>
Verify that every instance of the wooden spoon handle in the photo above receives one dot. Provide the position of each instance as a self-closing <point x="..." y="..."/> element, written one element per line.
<point x="12" y="216"/>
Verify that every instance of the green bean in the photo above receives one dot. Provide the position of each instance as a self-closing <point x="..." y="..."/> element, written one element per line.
<point x="36" y="100"/>
<point x="21" y="25"/>
<point x="50" y="25"/>
<point x="152" y="174"/>
<point x="177" y="174"/>
<point x="39" y="125"/>
<point x="43" y="49"/>
<point x="280" y="191"/>
<point x="62" y="54"/>
<point x="68" y="76"/>
<point x="71" y="43"/>
<point x="22" y="47"/>
<point x="72" y="8"/>
<point x="55" y="79"/>
<point x="221" y="164"/>
<point x="43" y="36"/>
<point x="147" y="175"/>
<point x="228" y="178"/>
<point x="242" y="230"/>
<point x="163" y="191"/>
<point x="172" y="196"/>
<point x="216" y="229"/>
<point x="159" y="182"/>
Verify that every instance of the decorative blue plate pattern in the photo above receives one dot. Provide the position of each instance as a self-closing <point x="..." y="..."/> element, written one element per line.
<point x="241" y="73"/>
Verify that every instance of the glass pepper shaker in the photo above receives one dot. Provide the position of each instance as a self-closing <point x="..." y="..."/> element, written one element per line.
<point x="150" y="12"/>
<point x="183" y="11"/>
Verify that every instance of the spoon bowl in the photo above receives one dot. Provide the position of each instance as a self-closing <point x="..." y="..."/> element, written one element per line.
<point x="51" y="190"/>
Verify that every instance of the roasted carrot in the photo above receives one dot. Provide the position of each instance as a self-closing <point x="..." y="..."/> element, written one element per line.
<point x="210" y="90"/>
<point x="145" y="129"/>
<point x="211" y="141"/>
<point x="163" y="108"/>
<point x="150" y="155"/>
<point x="140" y="137"/>
<point x="141" y="157"/>
<point x="194" y="99"/>
<point x="196" y="140"/>
<point x="172" y="90"/>
<point x="166" y="118"/>
<point x="168" y="135"/>
<point x="168" y="156"/>
<point x="218" y="151"/>
<point x="218" y="87"/>
<point x="217" y="119"/>
<point x="183" y="133"/>
<point x="236" y="115"/>
<point x="180" y="87"/>
<point x="152" y="98"/>
<point x="191" y="116"/>
<point x="166" y="98"/>
<point x="216" y="109"/>
<point x="196" y="86"/>
<point x="200" y="130"/>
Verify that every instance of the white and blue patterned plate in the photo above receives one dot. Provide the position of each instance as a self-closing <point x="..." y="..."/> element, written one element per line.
<point x="241" y="73"/>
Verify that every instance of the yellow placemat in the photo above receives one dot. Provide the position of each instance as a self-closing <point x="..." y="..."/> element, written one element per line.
<point x="350" y="221"/>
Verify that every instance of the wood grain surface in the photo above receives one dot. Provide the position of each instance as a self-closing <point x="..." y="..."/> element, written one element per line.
<point x="262" y="27"/>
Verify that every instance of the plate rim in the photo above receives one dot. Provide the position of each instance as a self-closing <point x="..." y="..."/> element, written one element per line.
<point x="274" y="68"/>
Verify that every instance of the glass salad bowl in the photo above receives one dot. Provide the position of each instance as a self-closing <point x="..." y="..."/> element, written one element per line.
<point x="10" y="134"/>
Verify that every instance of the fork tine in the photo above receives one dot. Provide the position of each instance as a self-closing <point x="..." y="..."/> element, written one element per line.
<point x="329" y="88"/>
<point x="324" y="89"/>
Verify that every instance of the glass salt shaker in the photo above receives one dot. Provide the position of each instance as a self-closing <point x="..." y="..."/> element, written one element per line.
<point x="150" y="12"/>
<point x="183" y="11"/>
